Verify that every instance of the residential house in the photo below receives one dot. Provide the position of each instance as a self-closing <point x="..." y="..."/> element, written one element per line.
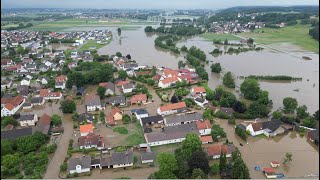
<point x="198" y="91"/>
<point x="86" y="129"/>
<point x="116" y="114"/>
<point x="37" y="101"/>
<point x="60" y="82"/>
<point x="139" y="98"/>
<point x="172" y="108"/>
<point x="268" y="128"/>
<point x="204" y="127"/>
<point x="139" y="113"/>
<point x="43" y="125"/>
<point x="12" y="106"/>
<point x="313" y="136"/>
<point x="27" y="105"/>
<point x="201" y="102"/>
<point x="16" y="133"/>
<point x="255" y="128"/>
<point x="43" y="80"/>
<point x="93" y="103"/>
<point x="167" y="82"/>
<point x="23" y="90"/>
<point x="47" y="94"/>
<point x="117" y="100"/>
<point x="147" y="157"/>
<point x="227" y="111"/>
<point x="28" y="120"/>
<point x="6" y="63"/>
<point x="72" y="65"/>
<point x="206" y="139"/>
<point x="117" y="160"/>
<point x="175" y="120"/>
<point x="110" y="87"/>
<point x="81" y="91"/>
<point x="6" y="83"/>
<point x="121" y="83"/>
<point x="158" y="119"/>
<point x="127" y="88"/>
<point x="86" y="117"/>
<point x="79" y="165"/>
<point x="25" y="81"/>
<point x="171" y="134"/>
<point x="91" y="141"/>
<point x="214" y="151"/>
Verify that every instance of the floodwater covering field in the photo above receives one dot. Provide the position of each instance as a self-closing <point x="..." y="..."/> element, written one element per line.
<point x="140" y="46"/>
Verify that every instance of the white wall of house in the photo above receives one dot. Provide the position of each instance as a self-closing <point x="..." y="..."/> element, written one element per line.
<point x="147" y="161"/>
<point x="166" y="112"/>
<point x="27" y="107"/>
<point x="6" y="112"/>
<point x="205" y="131"/>
<point x="201" y="104"/>
<point x="161" y="85"/>
<point x="89" y="146"/>
<point x="40" y="103"/>
<point x="93" y="108"/>
<point x="29" y="122"/>
<point x="179" y="123"/>
<point x="63" y="86"/>
<point x="171" y="141"/>
<point x="79" y="170"/>
<point x="109" y="91"/>
<point x="252" y="132"/>
<point x="127" y="90"/>
<point x="141" y="116"/>
<point x="122" y="165"/>
<point x="25" y="82"/>
<point x="84" y="134"/>
<point x="52" y="97"/>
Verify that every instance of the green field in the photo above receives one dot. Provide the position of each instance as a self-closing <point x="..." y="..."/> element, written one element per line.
<point x="120" y="130"/>
<point x="297" y="35"/>
<point x="221" y="37"/>
<point x="92" y="43"/>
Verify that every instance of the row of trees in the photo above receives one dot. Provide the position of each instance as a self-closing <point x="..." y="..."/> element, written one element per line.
<point x="180" y="30"/>
<point x="194" y="57"/>
<point x="169" y="43"/>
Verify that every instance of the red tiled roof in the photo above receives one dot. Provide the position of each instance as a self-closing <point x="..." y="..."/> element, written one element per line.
<point x="86" y="128"/>
<point x="120" y="83"/>
<point x="257" y="126"/>
<point x="268" y="170"/>
<point x="173" y="106"/>
<point x="138" y="97"/>
<point x="90" y="139"/>
<point x="206" y="139"/>
<point x="16" y="101"/>
<point x="61" y="78"/>
<point x="275" y="162"/>
<point x="171" y="72"/>
<point x="103" y="84"/>
<point x="203" y="124"/>
<point x="216" y="149"/>
<point x="115" y="110"/>
<point x="170" y="80"/>
<point x="198" y="89"/>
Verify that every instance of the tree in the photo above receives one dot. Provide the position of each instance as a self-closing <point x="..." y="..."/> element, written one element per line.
<point x="290" y="104"/>
<point x="169" y="42"/>
<point x="174" y="99"/>
<point x="302" y="112"/>
<point x="217" y="132"/>
<point x="240" y="169"/>
<point x="68" y="106"/>
<point x="228" y="80"/>
<point x="128" y="56"/>
<point x="241" y="133"/>
<point x="6" y="147"/>
<point x="56" y="120"/>
<point x="101" y="91"/>
<point x="200" y="160"/>
<point x="162" y="174"/>
<point x="63" y="166"/>
<point x="208" y="114"/>
<point x="167" y="162"/>
<point x="215" y="168"/>
<point x="231" y="121"/>
<point x="287" y="158"/>
<point x="309" y="122"/>
<point x="239" y="107"/>
<point x="258" y="110"/>
<point x="122" y="74"/>
<point x="226" y="42"/>
<point x="126" y="119"/>
<point x="250" y="41"/>
<point x="250" y="88"/>
<point x="198" y="174"/>
<point x="191" y="144"/>
<point x="118" y="54"/>
<point x="263" y="97"/>
<point x="277" y="114"/>
<point x="189" y="102"/>
<point x="184" y="48"/>
<point x="216" y="67"/>
<point x="316" y="115"/>
<point x="181" y="64"/>
<point x="8" y="120"/>
<point x="119" y="34"/>
<point x="222" y="161"/>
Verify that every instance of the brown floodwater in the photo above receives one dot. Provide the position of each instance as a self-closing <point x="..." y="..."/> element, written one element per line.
<point x="140" y="46"/>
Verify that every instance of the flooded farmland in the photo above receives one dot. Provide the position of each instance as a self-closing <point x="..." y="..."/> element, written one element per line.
<point x="140" y="46"/>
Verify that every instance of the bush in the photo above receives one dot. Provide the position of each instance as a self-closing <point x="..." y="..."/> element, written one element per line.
<point x="121" y="130"/>
<point x="63" y="166"/>
<point x="216" y="67"/>
<point x="215" y="168"/>
<point x="126" y="119"/>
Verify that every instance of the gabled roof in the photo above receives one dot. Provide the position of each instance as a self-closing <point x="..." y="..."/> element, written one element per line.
<point x="154" y="119"/>
<point x="170" y="80"/>
<point x="92" y="100"/>
<point x="203" y="124"/>
<point x="173" y="106"/>
<point x="15" y="133"/>
<point x="88" y="128"/>
<point x="183" y="118"/>
<point x="116" y="99"/>
<point x="138" y="97"/>
<point x="84" y="162"/>
<point x="314" y="134"/>
<point x="198" y="89"/>
<point x="90" y="139"/>
<point x="26" y="117"/>
<point x="14" y="102"/>
<point x="206" y="139"/>
<point x="43" y="124"/>
<point x="115" y="110"/>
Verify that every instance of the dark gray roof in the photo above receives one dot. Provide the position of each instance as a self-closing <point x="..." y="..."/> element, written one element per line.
<point x="130" y="65"/>
<point x="26" y="104"/>
<point x="182" y="118"/>
<point x="95" y="161"/>
<point x="147" y="156"/>
<point x="118" y="158"/>
<point x="81" y="90"/>
<point x="172" y="132"/>
<point x="85" y="162"/>
<point x="86" y="117"/>
<point x="241" y="126"/>
<point x="139" y="111"/>
<point x="116" y="99"/>
<point x="27" y="117"/>
<point x="111" y="86"/>
<point x="228" y="111"/>
<point x="58" y="83"/>
<point x="128" y="86"/>
<point x="272" y="125"/>
<point x="151" y="119"/>
<point x="15" y="133"/>
<point x="36" y="100"/>
<point x="199" y="99"/>
<point x="315" y="134"/>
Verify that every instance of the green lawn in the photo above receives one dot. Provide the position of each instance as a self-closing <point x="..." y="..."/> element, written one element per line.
<point x="92" y="43"/>
<point x="221" y="37"/>
<point x="297" y="35"/>
<point x="121" y="130"/>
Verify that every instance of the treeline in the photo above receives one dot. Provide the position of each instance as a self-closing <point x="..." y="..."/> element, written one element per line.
<point x="176" y="29"/>
<point x="195" y="56"/>
<point x="260" y="9"/>
<point x="314" y="31"/>
<point x="169" y="44"/>
<point x="62" y="41"/>
<point x="89" y="73"/>
<point x="276" y="77"/>
<point x="20" y="26"/>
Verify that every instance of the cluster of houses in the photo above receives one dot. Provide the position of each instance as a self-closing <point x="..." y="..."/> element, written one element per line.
<point x="234" y="27"/>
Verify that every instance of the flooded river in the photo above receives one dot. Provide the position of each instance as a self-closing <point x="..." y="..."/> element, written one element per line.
<point x="140" y="46"/>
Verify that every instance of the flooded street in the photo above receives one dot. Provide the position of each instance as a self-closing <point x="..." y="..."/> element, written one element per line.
<point x="140" y="46"/>
<point x="260" y="151"/>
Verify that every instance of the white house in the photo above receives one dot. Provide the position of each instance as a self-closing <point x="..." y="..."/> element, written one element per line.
<point x="204" y="127"/>
<point x="93" y="103"/>
<point x="255" y="128"/>
<point x="201" y="102"/>
<point x="60" y="82"/>
<point x="127" y="88"/>
<point x="47" y="94"/>
<point x="214" y="151"/>
<point x="91" y="141"/>
<point x="175" y="120"/>
<point x="25" y="81"/>
<point x="140" y="113"/>
<point x="172" y="108"/>
<point x="28" y="120"/>
<point x="167" y="82"/>
<point x="12" y="106"/>
<point x="79" y="165"/>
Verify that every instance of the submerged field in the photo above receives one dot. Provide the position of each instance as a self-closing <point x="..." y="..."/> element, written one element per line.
<point x="221" y="37"/>
<point x="297" y="35"/>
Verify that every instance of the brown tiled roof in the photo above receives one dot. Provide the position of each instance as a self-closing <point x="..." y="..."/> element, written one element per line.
<point x="14" y="102"/>
<point x="198" y="89"/>
<point x="203" y="124"/>
<point x="138" y="97"/>
<point x="43" y="124"/>
<point x="170" y="80"/>
<point x="206" y="139"/>
<point x="173" y="106"/>
<point x="257" y="126"/>
<point x="115" y="110"/>
<point x="90" y="139"/>
<point x="86" y="128"/>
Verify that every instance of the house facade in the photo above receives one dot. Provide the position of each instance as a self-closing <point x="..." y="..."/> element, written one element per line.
<point x="79" y="165"/>
<point x="91" y="141"/>
<point x="11" y="107"/>
<point x="28" y="120"/>
<point x="204" y="127"/>
<point x="172" y="108"/>
<point x="175" y="120"/>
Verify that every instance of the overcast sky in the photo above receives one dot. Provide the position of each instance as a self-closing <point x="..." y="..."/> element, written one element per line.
<point x="157" y="4"/>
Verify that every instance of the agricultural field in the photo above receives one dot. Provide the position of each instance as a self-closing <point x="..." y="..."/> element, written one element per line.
<point x="221" y="37"/>
<point x="92" y="44"/>
<point x="297" y="35"/>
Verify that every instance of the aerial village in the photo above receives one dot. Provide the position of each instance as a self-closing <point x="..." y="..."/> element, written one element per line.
<point x="121" y="123"/>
